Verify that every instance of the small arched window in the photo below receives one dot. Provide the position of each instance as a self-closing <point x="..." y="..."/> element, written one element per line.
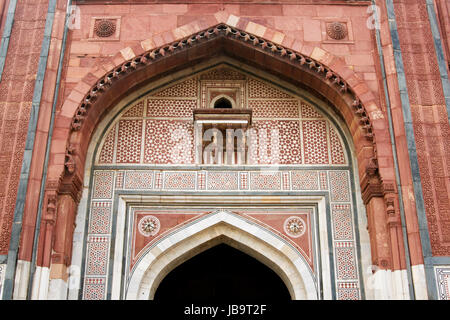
<point x="222" y="103"/>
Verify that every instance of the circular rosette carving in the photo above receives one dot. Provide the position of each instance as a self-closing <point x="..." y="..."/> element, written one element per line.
<point x="104" y="28"/>
<point x="149" y="226"/>
<point x="337" y="30"/>
<point x="294" y="227"/>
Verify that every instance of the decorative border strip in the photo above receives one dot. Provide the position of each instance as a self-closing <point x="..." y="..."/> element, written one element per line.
<point x="443" y="282"/>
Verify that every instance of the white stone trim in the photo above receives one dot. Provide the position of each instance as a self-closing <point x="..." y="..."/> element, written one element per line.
<point x="40" y="283"/>
<point x="2" y="278"/>
<point x="420" y="284"/>
<point x="21" y="280"/>
<point x="57" y="289"/>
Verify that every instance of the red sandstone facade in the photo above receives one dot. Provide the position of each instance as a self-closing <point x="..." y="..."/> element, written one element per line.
<point x="327" y="48"/>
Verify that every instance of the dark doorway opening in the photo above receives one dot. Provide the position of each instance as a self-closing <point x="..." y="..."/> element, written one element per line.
<point x="223" y="103"/>
<point x="222" y="273"/>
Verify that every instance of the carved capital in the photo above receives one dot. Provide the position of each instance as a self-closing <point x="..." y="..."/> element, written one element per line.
<point x="71" y="184"/>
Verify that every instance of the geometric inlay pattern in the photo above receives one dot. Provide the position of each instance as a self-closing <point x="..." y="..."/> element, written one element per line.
<point x="107" y="153"/>
<point x="275" y="142"/>
<point x="94" y="289"/>
<point x="348" y="291"/>
<point x="315" y="141"/>
<point x="274" y="108"/>
<point x="223" y="180"/>
<point x="158" y="130"/>
<point x="222" y="74"/>
<point x="337" y="152"/>
<point x="103" y="182"/>
<point x="188" y="88"/>
<point x="345" y="261"/>
<point x="323" y="180"/>
<point x="138" y="180"/>
<point x="173" y="108"/>
<point x="97" y="254"/>
<point x="129" y="141"/>
<point x="305" y="180"/>
<point x="341" y="213"/>
<point x="265" y="180"/>
<point x="342" y="221"/>
<point x="100" y="217"/>
<point x="179" y="180"/>
<point x="137" y="111"/>
<point x="309" y="112"/>
<point x="168" y="142"/>
<point x="258" y="89"/>
<point x="340" y="190"/>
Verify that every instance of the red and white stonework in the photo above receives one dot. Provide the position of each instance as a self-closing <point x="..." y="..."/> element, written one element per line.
<point x="106" y="182"/>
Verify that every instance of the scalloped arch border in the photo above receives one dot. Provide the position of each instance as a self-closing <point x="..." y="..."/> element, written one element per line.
<point x="331" y="69"/>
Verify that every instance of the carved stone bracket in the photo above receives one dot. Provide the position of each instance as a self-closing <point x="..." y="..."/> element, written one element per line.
<point x="69" y="162"/>
<point x="371" y="184"/>
<point x="71" y="185"/>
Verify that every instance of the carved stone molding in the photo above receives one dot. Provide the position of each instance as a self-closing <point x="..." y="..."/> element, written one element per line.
<point x="69" y="162"/>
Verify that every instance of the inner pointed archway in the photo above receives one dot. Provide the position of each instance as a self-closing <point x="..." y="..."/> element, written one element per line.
<point x="219" y="274"/>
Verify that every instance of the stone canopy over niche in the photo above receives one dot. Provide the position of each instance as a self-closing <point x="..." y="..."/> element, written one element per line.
<point x="159" y="128"/>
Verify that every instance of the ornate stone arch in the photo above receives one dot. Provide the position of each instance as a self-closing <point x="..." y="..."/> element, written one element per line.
<point x="316" y="71"/>
<point x="229" y="228"/>
<point x="319" y="71"/>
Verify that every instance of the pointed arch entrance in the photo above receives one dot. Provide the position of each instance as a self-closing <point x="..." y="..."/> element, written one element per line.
<point x="222" y="273"/>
